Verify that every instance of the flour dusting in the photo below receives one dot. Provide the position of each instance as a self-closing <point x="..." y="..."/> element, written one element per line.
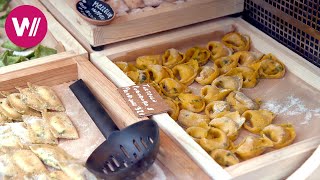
<point x="292" y="106"/>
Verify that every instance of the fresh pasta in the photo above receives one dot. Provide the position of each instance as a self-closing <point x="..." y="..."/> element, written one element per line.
<point x="187" y="72"/>
<point x="218" y="50"/>
<point x="201" y="55"/>
<point x="236" y="41"/>
<point x="281" y="135"/>
<point x="191" y="102"/>
<point x="207" y="75"/>
<point x="203" y="88"/>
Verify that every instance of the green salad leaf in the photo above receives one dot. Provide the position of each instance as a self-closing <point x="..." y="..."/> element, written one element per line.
<point x="42" y="51"/>
<point x="9" y="45"/>
<point x="13" y="60"/>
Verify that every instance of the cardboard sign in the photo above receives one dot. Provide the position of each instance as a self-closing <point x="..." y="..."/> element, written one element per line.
<point x="143" y="100"/>
<point x="95" y="10"/>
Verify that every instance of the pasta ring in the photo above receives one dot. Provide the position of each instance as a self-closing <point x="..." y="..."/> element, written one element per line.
<point x="252" y="146"/>
<point x="216" y="109"/>
<point x="281" y="135"/>
<point x="126" y="67"/>
<point x="229" y="82"/>
<point x="199" y="54"/>
<point x="246" y="58"/>
<point x="197" y="132"/>
<point x="224" y="158"/>
<point x="216" y="139"/>
<point x="207" y="75"/>
<point x="157" y="72"/>
<point x="143" y="62"/>
<point x="188" y="119"/>
<point x="191" y="102"/>
<point x="249" y="76"/>
<point x="240" y="102"/>
<point x="187" y="72"/>
<point x="256" y="120"/>
<point x="212" y="93"/>
<point x="218" y="50"/>
<point x="171" y="87"/>
<point x="172" y="57"/>
<point x="236" y="41"/>
<point x="226" y="63"/>
<point x="174" y="108"/>
<point x="271" y="67"/>
<point x="139" y="76"/>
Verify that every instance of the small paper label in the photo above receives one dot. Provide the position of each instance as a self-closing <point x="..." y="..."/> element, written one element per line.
<point x="144" y="100"/>
<point x="95" y="9"/>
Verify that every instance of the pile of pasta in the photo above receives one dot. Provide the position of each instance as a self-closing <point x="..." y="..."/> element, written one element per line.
<point x="215" y="117"/>
<point x="123" y="7"/>
<point x="31" y="122"/>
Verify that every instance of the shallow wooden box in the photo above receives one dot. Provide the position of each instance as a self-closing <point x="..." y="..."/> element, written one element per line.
<point x="171" y="163"/>
<point x="301" y="81"/>
<point x="57" y="37"/>
<point x="137" y="25"/>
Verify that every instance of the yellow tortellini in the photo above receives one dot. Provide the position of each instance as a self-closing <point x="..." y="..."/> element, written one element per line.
<point x="197" y="132"/>
<point x="229" y="82"/>
<point x="256" y="120"/>
<point x="246" y="58"/>
<point x="271" y="67"/>
<point x="156" y="87"/>
<point x="214" y="116"/>
<point x="191" y="102"/>
<point x="224" y="158"/>
<point x="188" y="119"/>
<point x="171" y="87"/>
<point x="216" y="139"/>
<point x="174" y="108"/>
<point x="218" y="50"/>
<point x="139" y="76"/>
<point x="236" y="41"/>
<point x="212" y="93"/>
<point x="225" y="64"/>
<point x="230" y="123"/>
<point x="172" y="57"/>
<point x="249" y="76"/>
<point x="143" y="62"/>
<point x="207" y="75"/>
<point x="199" y="54"/>
<point x="126" y="67"/>
<point x="157" y="72"/>
<point x="240" y="102"/>
<point x="252" y="146"/>
<point x="187" y="72"/>
<point x="281" y="135"/>
<point x="217" y="109"/>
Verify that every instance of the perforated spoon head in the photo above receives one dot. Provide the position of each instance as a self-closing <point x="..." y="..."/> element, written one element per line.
<point x="128" y="153"/>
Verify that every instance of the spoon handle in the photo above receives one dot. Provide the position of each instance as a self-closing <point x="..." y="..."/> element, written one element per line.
<point x="95" y="110"/>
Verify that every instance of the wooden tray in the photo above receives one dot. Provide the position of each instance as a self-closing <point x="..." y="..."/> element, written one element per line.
<point x="171" y="163"/>
<point x="300" y="85"/>
<point x="137" y="25"/>
<point x="57" y="37"/>
<point x="310" y="169"/>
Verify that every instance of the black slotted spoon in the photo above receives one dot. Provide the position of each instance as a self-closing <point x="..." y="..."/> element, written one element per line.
<point x="125" y="154"/>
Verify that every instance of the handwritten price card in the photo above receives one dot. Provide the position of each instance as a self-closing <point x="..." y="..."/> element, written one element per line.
<point x="144" y="100"/>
